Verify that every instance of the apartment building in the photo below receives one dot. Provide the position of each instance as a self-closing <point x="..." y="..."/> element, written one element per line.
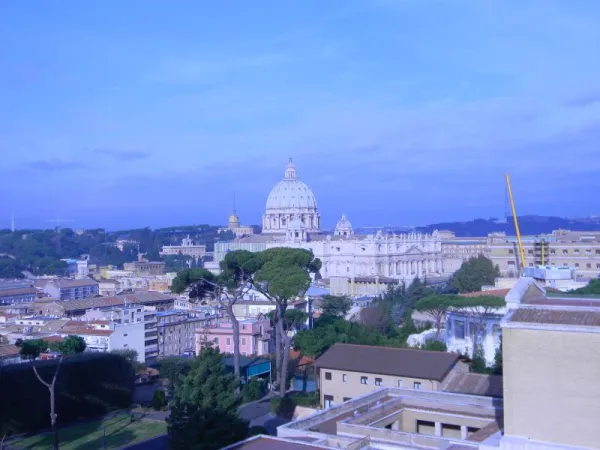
<point x="17" y="292"/>
<point x="255" y="337"/>
<point x="69" y="289"/>
<point x="456" y="250"/>
<point x="177" y="330"/>
<point x="347" y="371"/>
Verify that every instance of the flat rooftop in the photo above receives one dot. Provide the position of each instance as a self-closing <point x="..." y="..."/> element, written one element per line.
<point x="406" y="418"/>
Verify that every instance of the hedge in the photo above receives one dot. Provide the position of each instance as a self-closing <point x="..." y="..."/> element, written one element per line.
<point x="88" y="385"/>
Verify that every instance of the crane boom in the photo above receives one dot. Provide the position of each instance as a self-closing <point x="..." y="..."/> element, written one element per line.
<point x="514" y="213"/>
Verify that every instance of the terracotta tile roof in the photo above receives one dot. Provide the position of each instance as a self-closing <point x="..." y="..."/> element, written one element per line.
<point x="556" y="317"/>
<point x="491" y="292"/>
<point x="302" y="360"/>
<point x="18" y="291"/>
<point x="143" y="298"/>
<point x="86" y="332"/>
<point x="399" y="362"/>
<point x="474" y="384"/>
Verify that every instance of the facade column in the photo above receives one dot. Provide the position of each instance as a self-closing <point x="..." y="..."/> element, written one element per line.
<point x="438" y="429"/>
<point x="464" y="432"/>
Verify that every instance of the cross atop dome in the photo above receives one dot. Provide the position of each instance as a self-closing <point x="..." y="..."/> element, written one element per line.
<point x="290" y="171"/>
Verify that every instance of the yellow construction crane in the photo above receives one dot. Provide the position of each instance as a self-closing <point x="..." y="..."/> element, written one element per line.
<point x="514" y="213"/>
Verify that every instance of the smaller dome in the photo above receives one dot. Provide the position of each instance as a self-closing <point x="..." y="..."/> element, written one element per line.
<point x="233" y="218"/>
<point x="295" y="224"/>
<point x="343" y="227"/>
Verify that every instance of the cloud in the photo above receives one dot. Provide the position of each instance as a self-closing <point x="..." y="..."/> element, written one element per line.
<point x="53" y="165"/>
<point x="122" y="155"/>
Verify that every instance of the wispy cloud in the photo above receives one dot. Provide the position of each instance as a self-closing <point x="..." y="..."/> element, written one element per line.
<point x="53" y="165"/>
<point x="122" y="155"/>
<point x="583" y="99"/>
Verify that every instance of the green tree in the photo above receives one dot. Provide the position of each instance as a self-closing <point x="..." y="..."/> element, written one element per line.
<point x="336" y="305"/>
<point x="173" y="368"/>
<point x="281" y="275"/>
<point x="227" y="288"/>
<point x="192" y="427"/>
<point x="593" y="288"/>
<point x="435" y="346"/>
<point x="204" y="407"/>
<point x="475" y="273"/>
<point x="159" y="400"/>
<point x="70" y="345"/>
<point x="478" y="365"/>
<point x="31" y="348"/>
<point x="437" y="306"/>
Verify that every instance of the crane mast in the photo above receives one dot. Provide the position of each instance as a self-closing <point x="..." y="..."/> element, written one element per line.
<point x="514" y="214"/>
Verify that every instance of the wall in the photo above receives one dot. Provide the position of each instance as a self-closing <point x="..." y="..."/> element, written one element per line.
<point x="551" y="390"/>
<point x="130" y="336"/>
<point x="352" y="387"/>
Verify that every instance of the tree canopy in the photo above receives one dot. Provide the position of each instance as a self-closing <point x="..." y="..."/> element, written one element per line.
<point x="204" y="407"/>
<point x="31" y="348"/>
<point x="475" y="273"/>
<point x="336" y="305"/>
<point x="593" y="288"/>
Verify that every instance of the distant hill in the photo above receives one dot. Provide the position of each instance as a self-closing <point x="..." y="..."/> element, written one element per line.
<point x="529" y="225"/>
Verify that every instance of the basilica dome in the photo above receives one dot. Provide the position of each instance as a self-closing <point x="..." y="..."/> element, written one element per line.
<point x="344" y="227"/>
<point x="290" y="199"/>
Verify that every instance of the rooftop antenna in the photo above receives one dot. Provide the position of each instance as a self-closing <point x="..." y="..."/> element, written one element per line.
<point x="234" y="202"/>
<point x="12" y="223"/>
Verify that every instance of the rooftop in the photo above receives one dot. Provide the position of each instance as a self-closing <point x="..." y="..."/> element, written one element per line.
<point x="9" y="292"/>
<point x="473" y="384"/>
<point x="399" y="362"/>
<point x="142" y="298"/>
<point x="262" y="442"/>
<point x="491" y="292"/>
<point x="385" y="419"/>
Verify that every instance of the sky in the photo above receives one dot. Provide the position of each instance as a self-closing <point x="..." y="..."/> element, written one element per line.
<point x="153" y="113"/>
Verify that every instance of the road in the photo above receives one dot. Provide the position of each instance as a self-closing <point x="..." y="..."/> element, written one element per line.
<point x="258" y="414"/>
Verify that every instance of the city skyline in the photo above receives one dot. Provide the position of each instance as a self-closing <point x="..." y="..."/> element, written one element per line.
<point x="394" y="112"/>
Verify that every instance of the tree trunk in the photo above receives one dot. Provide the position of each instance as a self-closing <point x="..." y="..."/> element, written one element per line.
<point x="277" y="346"/>
<point x="53" y="418"/>
<point x="235" y="325"/>
<point x="286" y="344"/>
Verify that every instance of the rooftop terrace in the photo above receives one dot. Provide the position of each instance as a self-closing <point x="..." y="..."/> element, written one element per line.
<point x="404" y="418"/>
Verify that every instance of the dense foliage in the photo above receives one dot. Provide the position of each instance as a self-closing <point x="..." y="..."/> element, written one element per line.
<point x="204" y="407"/>
<point x="89" y="385"/>
<point x="330" y="330"/>
<point x="334" y="305"/>
<point x="40" y="251"/>
<point x="31" y="348"/>
<point x="593" y="288"/>
<point x="475" y="273"/>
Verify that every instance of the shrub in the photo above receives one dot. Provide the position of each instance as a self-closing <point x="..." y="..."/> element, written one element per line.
<point x="159" y="400"/>
<point x="88" y="385"/>
<point x="254" y="390"/>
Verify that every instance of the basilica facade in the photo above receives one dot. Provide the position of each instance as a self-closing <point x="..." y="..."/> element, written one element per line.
<point x="354" y="264"/>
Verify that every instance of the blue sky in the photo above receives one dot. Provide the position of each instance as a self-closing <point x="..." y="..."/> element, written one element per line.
<point x="125" y="114"/>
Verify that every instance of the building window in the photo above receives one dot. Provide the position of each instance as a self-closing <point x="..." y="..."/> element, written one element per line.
<point x="530" y="252"/>
<point x="588" y="251"/>
<point x="576" y="251"/>
<point x="589" y="265"/>
<point x="598" y="266"/>
<point x="552" y="251"/>
<point x="328" y="401"/>
<point x="511" y="263"/>
<point x="565" y="252"/>
<point x="511" y="252"/>
<point x="228" y="341"/>
<point x="243" y="341"/>
<point x="399" y="383"/>
<point x="598" y="251"/>
<point x="417" y="386"/>
<point x="459" y="329"/>
<point x="378" y="381"/>
<point x="363" y="380"/>
<point x="328" y="375"/>
<point x="344" y="378"/>
<point x="576" y="264"/>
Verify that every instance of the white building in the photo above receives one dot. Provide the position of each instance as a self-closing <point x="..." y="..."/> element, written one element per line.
<point x="187" y="248"/>
<point x="354" y="264"/>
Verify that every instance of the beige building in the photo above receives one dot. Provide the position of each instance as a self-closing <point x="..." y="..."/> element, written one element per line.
<point x="233" y="225"/>
<point x="187" y="248"/>
<point x="562" y="248"/>
<point x="551" y="363"/>
<point x="143" y="267"/>
<point x="347" y="371"/>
